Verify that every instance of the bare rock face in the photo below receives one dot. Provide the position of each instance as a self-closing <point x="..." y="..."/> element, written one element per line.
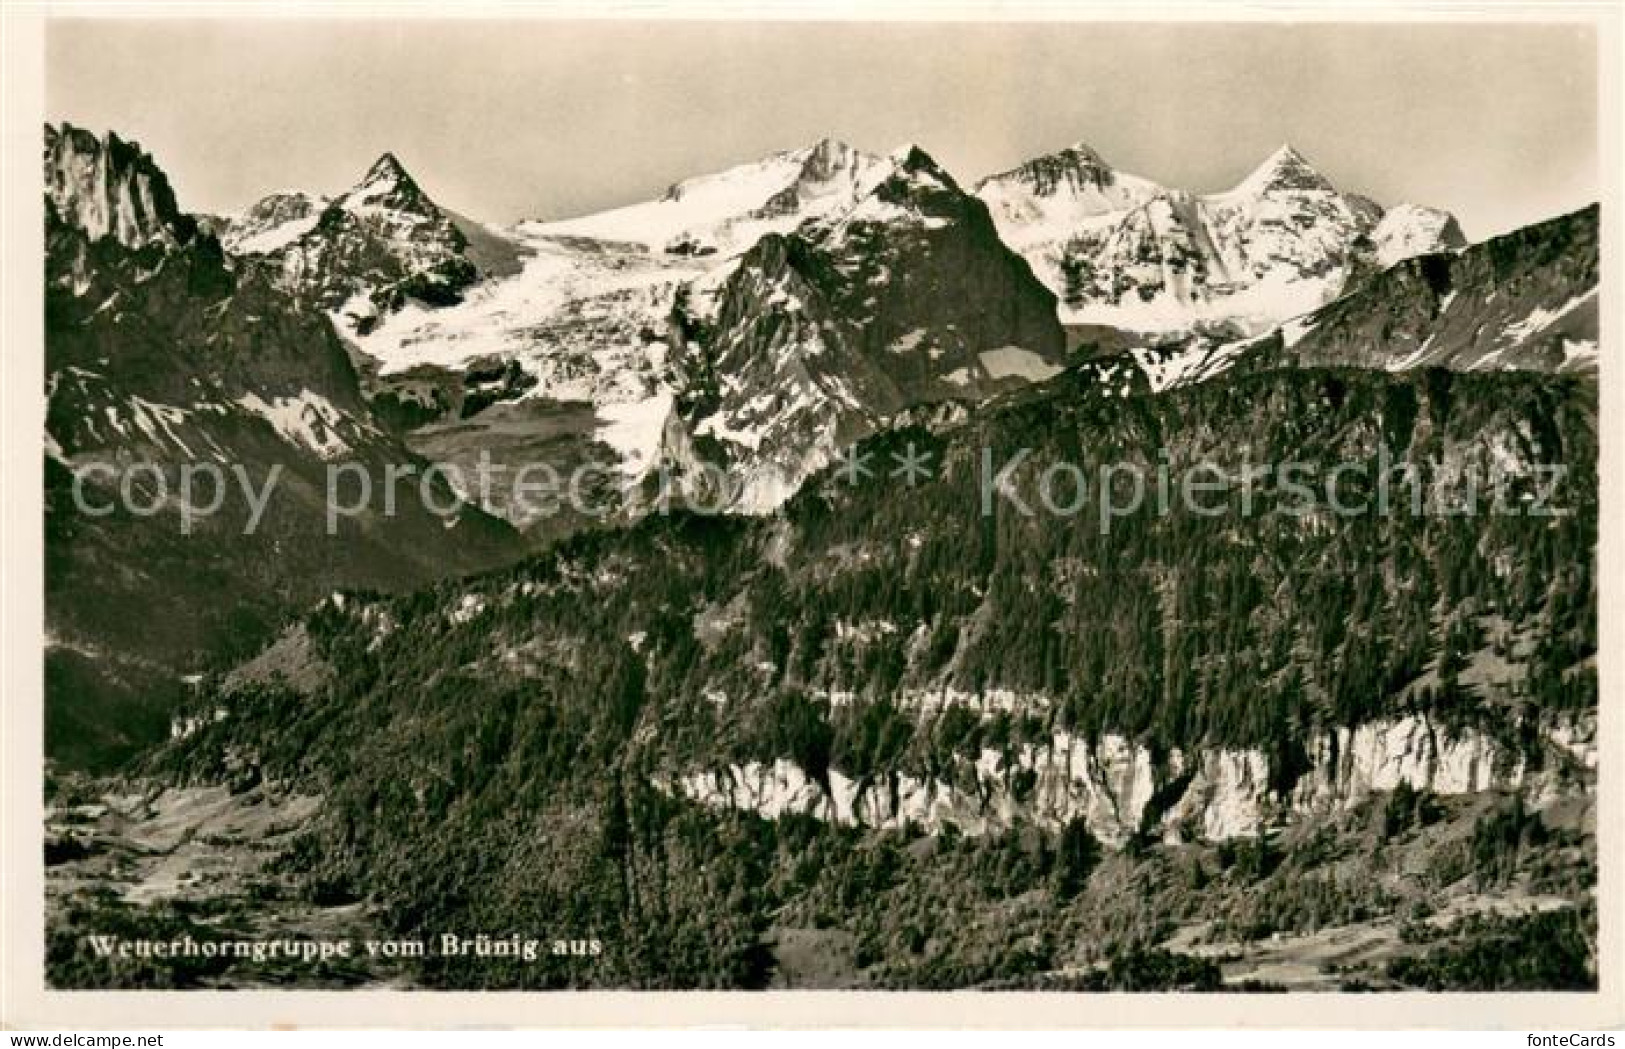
<point x="1118" y="788"/>
<point x="107" y="187"/>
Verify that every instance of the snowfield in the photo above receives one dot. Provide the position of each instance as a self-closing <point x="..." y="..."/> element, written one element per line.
<point x="506" y="318"/>
<point x="729" y="211"/>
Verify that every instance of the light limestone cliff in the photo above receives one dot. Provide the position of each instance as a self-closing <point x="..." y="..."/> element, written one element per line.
<point x="1113" y="784"/>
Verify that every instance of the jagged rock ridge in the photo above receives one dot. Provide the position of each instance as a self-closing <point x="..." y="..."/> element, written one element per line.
<point x="108" y="187"/>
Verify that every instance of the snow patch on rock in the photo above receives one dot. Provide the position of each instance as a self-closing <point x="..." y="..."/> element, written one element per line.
<point x="1016" y="362"/>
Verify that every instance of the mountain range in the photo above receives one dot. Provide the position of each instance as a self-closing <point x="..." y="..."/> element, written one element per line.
<point x="767" y="717"/>
<point x="604" y="331"/>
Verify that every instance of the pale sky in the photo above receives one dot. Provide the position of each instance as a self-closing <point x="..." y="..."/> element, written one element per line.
<point x="505" y="120"/>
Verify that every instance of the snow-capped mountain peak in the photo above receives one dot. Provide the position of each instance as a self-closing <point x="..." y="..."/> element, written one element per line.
<point x="273" y="222"/>
<point x="1284" y="169"/>
<point x="1076" y="169"/>
<point x="829" y="159"/>
<point x="1409" y="230"/>
<point x="1042" y="203"/>
<point x="831" y="175"/>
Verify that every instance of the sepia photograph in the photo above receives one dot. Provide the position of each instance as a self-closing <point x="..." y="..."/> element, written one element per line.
<point x="751" y="504"/>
